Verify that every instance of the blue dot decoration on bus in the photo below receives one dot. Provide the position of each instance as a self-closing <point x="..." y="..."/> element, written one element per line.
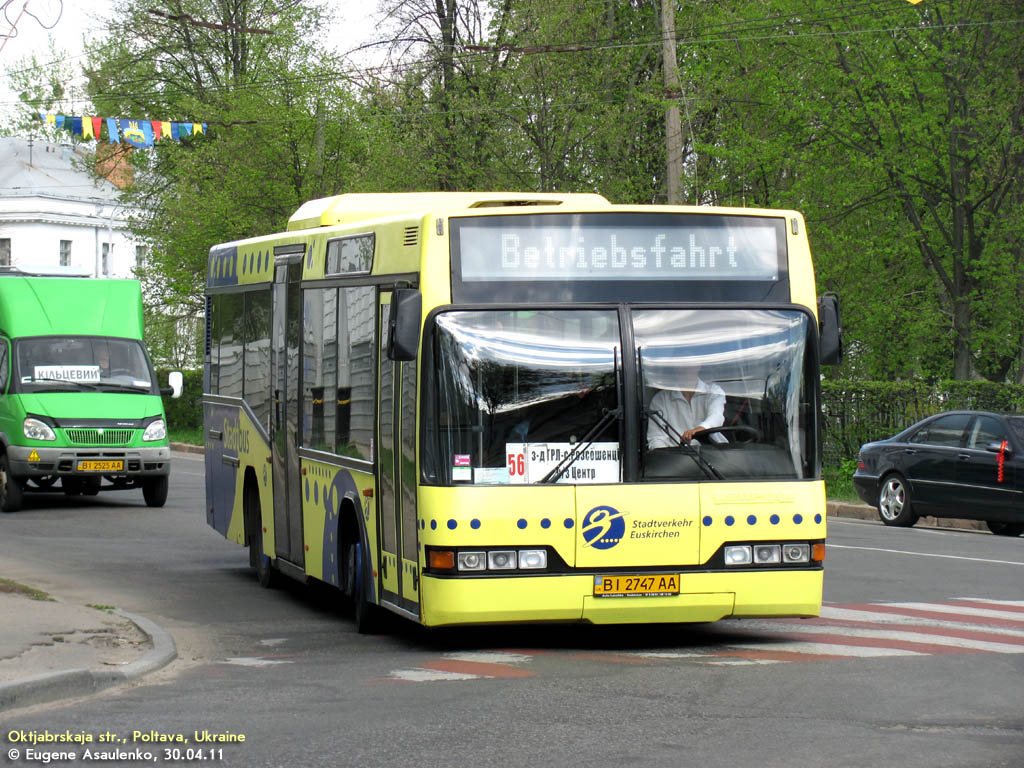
<point x="752" y="520"/>
<point x="569" y="522"/>
<point x="433" y="525"/>
<point x="545" y="523"/>
<point x="729" y="519"/>
<point x="775" y="519"/>
<point x="453" y="524"/>
<point x="707" y="521"/>
<point x="817" y="518"/>
<point x="316" y="493"/>
<point x="603" y="527"/>
<point x="307" y="489"/>
<point x="798" y="518"/>
<point x="474" y="524"/>
<point x="423" y="524"/>
<point x="521" y="524"/>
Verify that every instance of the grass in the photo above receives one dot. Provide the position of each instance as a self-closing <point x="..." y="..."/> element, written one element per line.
<point x="839" y="482"/>
<point x="193" y="436"/>
<point x="14" y="588"/>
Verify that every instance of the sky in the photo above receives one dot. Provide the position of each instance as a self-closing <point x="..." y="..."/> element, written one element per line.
<point x="71" y="20"/>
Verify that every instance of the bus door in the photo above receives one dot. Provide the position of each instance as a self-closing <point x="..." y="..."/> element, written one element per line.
<point x="284" y="425"/>
<point x="396" y="469"/>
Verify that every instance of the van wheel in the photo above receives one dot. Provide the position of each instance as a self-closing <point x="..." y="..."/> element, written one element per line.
<point x="154" y="491"/>
<point x="11" y="492"/>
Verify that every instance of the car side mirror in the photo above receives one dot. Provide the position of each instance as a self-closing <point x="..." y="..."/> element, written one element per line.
<point x="996" y="446"/>
<point x="830" y="330"/>
<point x="404" y="327"/>
<point x="176" y="382"/>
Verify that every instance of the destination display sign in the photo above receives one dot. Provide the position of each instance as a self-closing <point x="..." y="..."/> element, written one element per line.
<point x="614" y="247"/>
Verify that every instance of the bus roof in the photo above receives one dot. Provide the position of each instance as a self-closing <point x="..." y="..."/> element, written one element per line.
<point x="43" y="306"/>
<point x="354" y="207"/>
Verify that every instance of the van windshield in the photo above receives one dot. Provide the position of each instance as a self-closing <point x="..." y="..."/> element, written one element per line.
<point x="80" y="364"/>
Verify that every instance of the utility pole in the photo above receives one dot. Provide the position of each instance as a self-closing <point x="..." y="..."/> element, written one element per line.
<point x="673" y="127"/>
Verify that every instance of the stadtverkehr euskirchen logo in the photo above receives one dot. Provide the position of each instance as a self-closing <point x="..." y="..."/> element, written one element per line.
<point x="603" y="527"/>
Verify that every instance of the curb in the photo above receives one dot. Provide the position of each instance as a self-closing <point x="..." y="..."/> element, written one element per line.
<point x="865" y="512"/>
<point x="51" y="686"/>
<point x="187" y="448"/>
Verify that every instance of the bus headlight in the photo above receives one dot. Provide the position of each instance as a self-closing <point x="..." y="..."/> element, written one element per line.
<point x="738" y="556"/>
<point x="35" y="429"/>
<point x="157" y="430"/>
<point x="796" y="553"/>
<point x="766" y="554"/>
<point x="472" y="561"/>
<point x="501" y="560"/>
<point x="533" y="559"/>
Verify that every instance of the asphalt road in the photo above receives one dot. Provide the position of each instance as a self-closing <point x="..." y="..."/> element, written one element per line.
<point x="286" y="669"/>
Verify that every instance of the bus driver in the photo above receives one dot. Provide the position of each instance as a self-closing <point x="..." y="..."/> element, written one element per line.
<point x="693" y="407"/>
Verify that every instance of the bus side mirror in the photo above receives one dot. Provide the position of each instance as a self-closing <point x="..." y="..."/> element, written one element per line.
<point x="830" y="330"/>
<point x="175" y="379"/>
<point x="404" y="327"/>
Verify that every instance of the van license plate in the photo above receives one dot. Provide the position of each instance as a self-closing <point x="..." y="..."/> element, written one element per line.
<point x="100" y="466"/>
<point x="642" y="585"/>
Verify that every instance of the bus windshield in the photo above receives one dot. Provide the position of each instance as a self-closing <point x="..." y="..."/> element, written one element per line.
<point x="537" y="396"/>
<point x="80" y="364"/>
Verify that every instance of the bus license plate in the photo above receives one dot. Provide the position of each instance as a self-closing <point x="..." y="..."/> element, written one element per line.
<point x="100" y="466"/>
<point x="644" y="585"/>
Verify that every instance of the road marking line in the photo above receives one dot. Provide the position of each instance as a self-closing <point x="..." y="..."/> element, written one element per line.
<point x="832" y="649"/>
<point x="882" y="617"/>
<point x="912" y="638"/>
<point x="927" y="554"/>
<point x="961" y="611"/>
<point x="422" y="675"/>
<point x="1009" y="637"/>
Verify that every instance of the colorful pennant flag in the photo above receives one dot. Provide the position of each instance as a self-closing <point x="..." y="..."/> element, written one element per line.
<point x="138" y="133"/>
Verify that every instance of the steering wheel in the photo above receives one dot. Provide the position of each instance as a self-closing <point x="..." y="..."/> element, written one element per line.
<point x="738" y="433"/>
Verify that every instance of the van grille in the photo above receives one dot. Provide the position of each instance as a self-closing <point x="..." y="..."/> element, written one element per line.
<point x="95" y="437"/>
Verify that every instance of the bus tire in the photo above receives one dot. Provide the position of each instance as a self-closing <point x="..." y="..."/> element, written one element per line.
<point x="154" y="491"/>
<point x="367" y="615"/>
<point x="894" y="503"/>
<point x="11" y="492"/>
<point x="266" y="576"/>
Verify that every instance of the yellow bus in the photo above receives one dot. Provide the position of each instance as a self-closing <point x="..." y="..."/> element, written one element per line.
<point x="479" y="408"/>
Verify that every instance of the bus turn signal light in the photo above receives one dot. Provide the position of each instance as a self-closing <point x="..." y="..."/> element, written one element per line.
<point x="818" y="552"/>
<point x="442" y="559"/>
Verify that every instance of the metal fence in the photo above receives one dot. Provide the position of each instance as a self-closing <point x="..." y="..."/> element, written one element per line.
<point x="855" y="413"/>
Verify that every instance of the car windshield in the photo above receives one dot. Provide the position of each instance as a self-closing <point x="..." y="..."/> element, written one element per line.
<point x="538" y="396"/>
<point x="81" y="364"/>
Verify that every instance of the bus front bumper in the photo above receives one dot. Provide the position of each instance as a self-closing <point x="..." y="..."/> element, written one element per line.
<point x="89" y="462"/>
<point x="705" y="597"/>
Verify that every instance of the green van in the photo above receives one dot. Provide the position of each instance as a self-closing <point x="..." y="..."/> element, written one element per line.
<point x="79" y="401"/>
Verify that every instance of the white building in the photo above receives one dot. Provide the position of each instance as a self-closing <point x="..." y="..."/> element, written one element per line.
<point x="55" y="219"/>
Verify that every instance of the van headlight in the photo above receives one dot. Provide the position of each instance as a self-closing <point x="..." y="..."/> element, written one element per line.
<point x="157" y="430"/>
<point x="35" y="429"/>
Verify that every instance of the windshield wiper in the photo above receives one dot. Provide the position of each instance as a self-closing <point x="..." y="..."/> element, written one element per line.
<point x="43" y="379"/>
<point x="658" y="418"/>
<point x="571" y="457"/>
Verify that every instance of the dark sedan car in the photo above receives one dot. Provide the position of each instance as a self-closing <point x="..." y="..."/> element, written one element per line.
<point x="965" y="464"/>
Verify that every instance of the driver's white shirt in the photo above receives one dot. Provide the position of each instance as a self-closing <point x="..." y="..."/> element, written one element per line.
<point x="706" y="408"/>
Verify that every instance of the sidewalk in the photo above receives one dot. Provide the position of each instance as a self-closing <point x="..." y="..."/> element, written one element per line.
<point x="52" y="649"/>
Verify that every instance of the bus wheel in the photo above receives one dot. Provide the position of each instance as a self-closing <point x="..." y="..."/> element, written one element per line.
<point x="894" y="506"/>
<point x="368" y="615"/>
<point x="154" y="491"/>
<point x="11" y="492"/>
<point x="265" y="573"/>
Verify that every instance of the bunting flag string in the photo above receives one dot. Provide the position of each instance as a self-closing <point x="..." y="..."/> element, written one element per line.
<point x="138" y="133"/>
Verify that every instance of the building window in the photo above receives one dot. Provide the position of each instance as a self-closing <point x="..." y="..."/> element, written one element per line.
<point x="108" y="249"/>
<point x="140" y="256"/>
<point x="65" y="253"/>
<point x="5" y="251"/>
